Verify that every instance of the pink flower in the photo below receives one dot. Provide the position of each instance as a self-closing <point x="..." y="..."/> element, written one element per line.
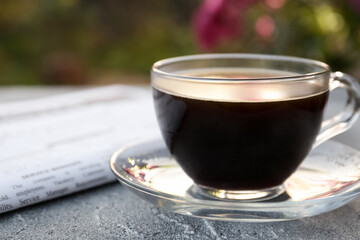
<point x="275" y="4"/>
<point x="218" y="20"/>
<point x="265" y="27"/>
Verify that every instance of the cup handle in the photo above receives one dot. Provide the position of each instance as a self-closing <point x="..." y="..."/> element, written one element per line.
<point x="345" y="119"/>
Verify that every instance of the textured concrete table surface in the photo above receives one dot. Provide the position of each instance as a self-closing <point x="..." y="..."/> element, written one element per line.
<point x="112" y="212"/>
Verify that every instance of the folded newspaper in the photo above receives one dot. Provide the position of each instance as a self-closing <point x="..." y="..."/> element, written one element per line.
<point x="58" y="145"/>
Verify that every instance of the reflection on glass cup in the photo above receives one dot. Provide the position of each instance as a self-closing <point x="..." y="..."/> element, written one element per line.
<point x="240" y="124"/>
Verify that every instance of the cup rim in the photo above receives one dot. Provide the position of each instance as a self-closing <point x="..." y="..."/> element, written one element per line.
<point x="156" y="67"/>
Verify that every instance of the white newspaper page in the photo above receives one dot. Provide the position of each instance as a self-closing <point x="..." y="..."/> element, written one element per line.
<point x="59" y="145"/>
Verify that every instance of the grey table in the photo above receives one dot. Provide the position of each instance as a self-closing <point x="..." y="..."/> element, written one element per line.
<point x="112" y="212"/>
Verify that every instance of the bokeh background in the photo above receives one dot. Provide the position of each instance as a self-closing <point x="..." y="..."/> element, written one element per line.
<point x="66" y="42"/>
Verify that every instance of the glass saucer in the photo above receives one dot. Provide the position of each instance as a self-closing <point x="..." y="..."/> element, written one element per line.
<point x="327" y="179"/>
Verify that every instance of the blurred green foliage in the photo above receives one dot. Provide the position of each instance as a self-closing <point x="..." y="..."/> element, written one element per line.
<point x="78" y="41"/>
<point x="74" y="41"/>
<point x="328" y="31"/>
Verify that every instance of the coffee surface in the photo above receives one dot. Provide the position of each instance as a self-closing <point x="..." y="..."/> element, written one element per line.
<point x="239" y="145"/>
<point x="240" y="84"/>
<point x="236" y="73"/>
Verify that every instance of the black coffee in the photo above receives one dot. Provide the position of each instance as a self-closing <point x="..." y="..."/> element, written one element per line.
<point x="239" y="135"/>
<point x="239" y="146"/>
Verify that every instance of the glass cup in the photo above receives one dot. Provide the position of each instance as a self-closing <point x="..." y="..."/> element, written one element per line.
<point x="240" y="124"/>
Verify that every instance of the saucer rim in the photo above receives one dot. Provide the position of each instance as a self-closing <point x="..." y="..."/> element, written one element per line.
<point x="136" y="185"/>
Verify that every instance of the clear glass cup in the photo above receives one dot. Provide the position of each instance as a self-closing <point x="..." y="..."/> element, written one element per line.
<point x="240" y="124"/>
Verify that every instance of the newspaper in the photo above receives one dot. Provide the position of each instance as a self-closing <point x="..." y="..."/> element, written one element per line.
<point x="59" y="145"/>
